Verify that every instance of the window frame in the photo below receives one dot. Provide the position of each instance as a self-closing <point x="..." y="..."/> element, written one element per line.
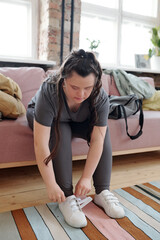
<point x="118" y="14"/>
<point x="34" y="17"/>
<point x="35" y="27"/>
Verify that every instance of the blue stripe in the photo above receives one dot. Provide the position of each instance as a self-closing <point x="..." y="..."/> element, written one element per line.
<point x="73" y="233"/>
<point x="40" y="229"/>
<point x="139" y="223"/>
<point x="155" y="183"/>
<point x="140" y="204"/>
<point x="8" y="228"/>
<point x="148" y="190"/>
<point x="148" y="230"/>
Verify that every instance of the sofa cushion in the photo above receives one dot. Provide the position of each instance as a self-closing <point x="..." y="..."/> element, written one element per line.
<point x="149" y="138"/>
<point x="16" y="140"/>
<point x="119" y="139"/>
<point x="79" y="151"/>
<point x="28" y="78"/>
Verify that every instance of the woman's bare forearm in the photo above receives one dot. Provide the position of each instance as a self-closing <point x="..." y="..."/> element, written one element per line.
<point x="93" y="157"/>
<point x="45" y="170"/>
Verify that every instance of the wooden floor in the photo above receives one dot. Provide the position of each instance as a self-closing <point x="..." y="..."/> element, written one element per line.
<point x="23" y="186"/>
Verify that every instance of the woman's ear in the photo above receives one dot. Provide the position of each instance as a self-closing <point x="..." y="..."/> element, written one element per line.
<point x="64" y="83"/>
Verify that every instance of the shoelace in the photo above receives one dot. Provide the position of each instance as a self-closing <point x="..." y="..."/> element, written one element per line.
<point x="109" y="197"/>
<point x="78" y="203"/>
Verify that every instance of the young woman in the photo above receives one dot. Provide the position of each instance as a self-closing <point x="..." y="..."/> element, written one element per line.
<point x="72" y="103"/>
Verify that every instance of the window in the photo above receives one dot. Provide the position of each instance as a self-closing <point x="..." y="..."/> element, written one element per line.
<point x="18" y="26"/>
<point x="122" y="26"/>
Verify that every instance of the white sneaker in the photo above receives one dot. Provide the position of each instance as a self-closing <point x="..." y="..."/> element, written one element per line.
<point x="72" y="212"/>
<point x="110" y="203"/>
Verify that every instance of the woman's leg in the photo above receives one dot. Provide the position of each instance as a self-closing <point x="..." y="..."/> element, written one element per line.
<point x="62" y="163"/>
<point x="30" y="117"/>
<point x="102" y="174"/>
<point x="101" y="178"/>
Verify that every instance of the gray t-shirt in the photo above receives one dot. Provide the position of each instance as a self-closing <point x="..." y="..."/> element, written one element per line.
<point x="46" y="107"/>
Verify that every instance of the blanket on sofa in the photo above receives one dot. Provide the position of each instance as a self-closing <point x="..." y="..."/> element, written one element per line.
<point x="128" y="84"/>
<point x="10" y="98"/>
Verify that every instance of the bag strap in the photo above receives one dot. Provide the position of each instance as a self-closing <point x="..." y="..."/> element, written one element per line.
<point x="141" y="120"/>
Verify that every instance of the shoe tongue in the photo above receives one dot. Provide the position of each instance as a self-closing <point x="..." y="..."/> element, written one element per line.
<point x="71" y="197"/>
<point x="109" y="197"/>
<point x="73" y="202"/>
<point x="106" y="193"/>
<point x="78" y="203"/>
<point x="83" y="202"/>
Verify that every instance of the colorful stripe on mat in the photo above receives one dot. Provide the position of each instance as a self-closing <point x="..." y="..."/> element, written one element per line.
<point x="45" y="222"/>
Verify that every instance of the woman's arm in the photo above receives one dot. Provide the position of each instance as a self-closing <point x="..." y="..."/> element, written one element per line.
<point x="93" y="158"/>
<point x="41" y="140"/>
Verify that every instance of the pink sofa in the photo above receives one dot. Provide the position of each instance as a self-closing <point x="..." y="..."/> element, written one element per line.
<point x="16" y="138"/>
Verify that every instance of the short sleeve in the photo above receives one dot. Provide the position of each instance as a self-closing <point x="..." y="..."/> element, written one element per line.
<point x="45" y="111"/>
<point x="102" y="108"/>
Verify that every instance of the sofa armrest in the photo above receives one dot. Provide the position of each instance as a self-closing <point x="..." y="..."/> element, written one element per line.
<point x="111" y="87"/>
<point x="149" y="80"/>
<point x="105" y="82"/>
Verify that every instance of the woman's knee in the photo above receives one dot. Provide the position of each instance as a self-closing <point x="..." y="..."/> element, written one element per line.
<point x="30" y="117"/>
<point x="65" y="137"/>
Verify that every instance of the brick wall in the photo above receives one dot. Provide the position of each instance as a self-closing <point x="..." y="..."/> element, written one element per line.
<point x="50" y="29"/>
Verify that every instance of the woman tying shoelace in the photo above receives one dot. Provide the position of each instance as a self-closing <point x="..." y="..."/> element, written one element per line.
<point x="72" y="103"/>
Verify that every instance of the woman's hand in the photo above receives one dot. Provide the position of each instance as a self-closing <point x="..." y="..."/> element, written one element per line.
<point x="55" y="193"/>
<point x="83" y="187"/>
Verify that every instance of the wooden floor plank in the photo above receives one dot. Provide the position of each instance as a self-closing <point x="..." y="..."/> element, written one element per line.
<point x="23" y="186"/>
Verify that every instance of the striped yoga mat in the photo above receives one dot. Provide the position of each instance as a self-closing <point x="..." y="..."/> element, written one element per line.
<point x="45" y="222"/>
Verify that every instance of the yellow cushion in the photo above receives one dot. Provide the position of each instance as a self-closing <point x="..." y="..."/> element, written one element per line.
<point x="152" y="103"/>
<point x="7" y="85"/>
<point x="9" y="106"/>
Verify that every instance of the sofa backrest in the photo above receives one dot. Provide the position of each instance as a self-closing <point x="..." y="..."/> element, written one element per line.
<point x="29" y="80"/>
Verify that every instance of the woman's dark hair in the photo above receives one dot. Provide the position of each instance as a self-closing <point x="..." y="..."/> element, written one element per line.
<point x="83" y="63"/>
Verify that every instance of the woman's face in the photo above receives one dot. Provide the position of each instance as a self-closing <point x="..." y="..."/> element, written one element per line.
<point x="77" y="88"/>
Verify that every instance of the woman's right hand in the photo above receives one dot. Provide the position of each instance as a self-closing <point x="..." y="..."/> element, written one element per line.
<point x="55" y="193"/>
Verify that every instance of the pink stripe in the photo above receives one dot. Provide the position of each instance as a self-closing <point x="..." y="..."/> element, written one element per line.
<point x="107" y="226"/>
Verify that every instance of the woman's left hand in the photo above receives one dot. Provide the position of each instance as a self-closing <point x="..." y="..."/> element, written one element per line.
<point x="83" y="187"/>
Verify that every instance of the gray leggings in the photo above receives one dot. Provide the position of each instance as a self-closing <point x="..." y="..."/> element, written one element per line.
<point x="62" y="164"/>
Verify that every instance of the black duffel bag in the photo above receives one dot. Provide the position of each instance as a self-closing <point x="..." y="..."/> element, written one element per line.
<point x="125" y="106"/>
